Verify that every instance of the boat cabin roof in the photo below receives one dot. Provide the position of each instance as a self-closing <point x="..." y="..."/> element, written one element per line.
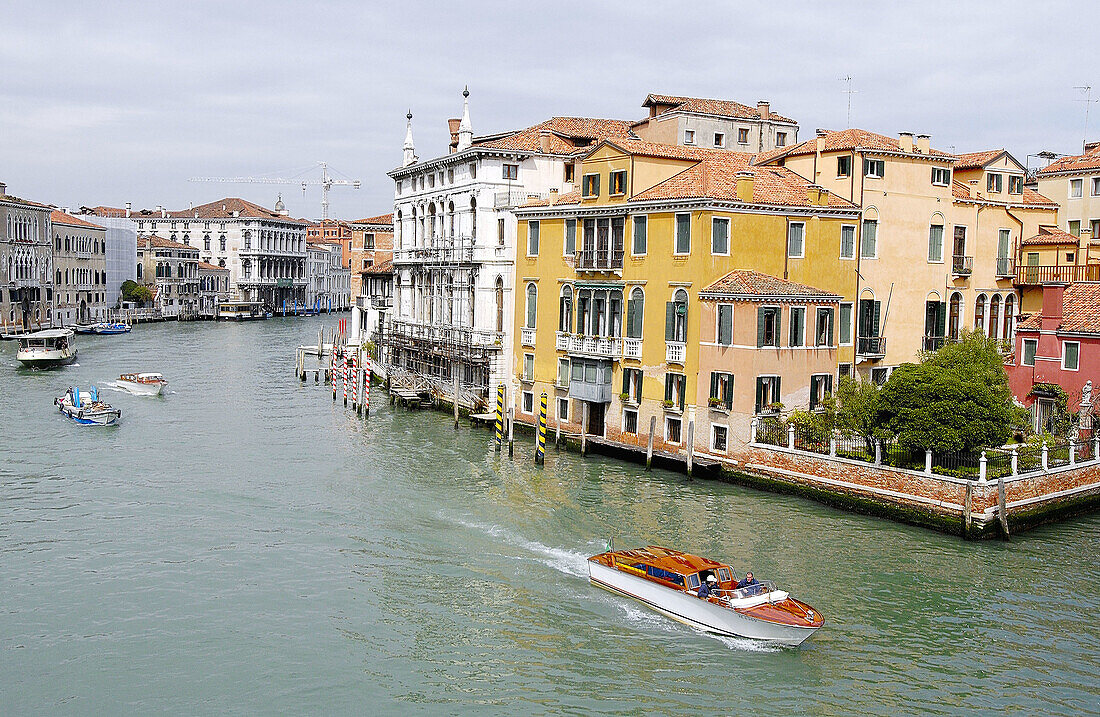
<point x="668" y="559"/>
<point x="48" y="334"/>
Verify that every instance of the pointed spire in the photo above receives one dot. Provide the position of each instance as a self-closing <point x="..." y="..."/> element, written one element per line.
<point x="465" y="130"/>
<point x="409" y="150"/>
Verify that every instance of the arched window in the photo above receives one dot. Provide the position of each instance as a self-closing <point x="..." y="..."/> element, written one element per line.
<point x="1010" y="317"/>
<point x="994" y="316"/>
<point x="473" y="219"/>
<point x="676" y="317"/>
<point x="499" y="299"/>
<point x="397" y="229"/>
<point x="565" y="309"/>
<point x="451" y="219"/>
<point x="954" y="316"/>
<point x="139" y="271"/>
<point x="615" y="313"/>
<point x="979" y="313"/>
<point x="532" y="305"/>
<point x="635" y="310"/>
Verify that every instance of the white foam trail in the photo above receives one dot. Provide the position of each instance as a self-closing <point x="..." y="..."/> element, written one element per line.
<point x="560" y="559"/>
<point x="112" y="386"/>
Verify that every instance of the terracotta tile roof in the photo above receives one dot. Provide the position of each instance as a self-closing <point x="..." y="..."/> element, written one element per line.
<point x="573" y="197"/>
<point x="1090" y="160"/>
<point x="114" y="212"/>
<point x="1050" y="236"/>
<point x="381" y="268"/>
<point x="60" y="217"/>
<point x="225" y="208"/>
<point x="700" y="105"/>
<point x="849" y="139"/>
<point x="977" y="160"/>
<point x="206" y="266"/>
<point x="1080" y="310"/>
<point x="961" y="193"/>
<point x="567" y="134"/>
<point x="751" y="284"/>
<point x="160" y="242"/>
<point x="18" y="200"/>
<point x="380" y="219"/>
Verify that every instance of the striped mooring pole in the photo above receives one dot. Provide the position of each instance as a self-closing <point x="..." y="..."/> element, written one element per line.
<point x="354" y="384"/>
<point x="540" y="446"/>
<point x="366" y="387"/>
<point x="345" y="372"/>
<point x="500" y="416"/>
<point x="332" y="368"/>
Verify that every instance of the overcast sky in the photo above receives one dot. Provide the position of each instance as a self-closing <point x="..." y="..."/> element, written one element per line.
<point x="103" y="103"/>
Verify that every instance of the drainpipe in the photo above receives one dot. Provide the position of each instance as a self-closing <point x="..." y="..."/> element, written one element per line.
<point x="859" y="255"/>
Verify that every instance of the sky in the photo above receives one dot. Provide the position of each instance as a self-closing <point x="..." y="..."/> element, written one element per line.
<point x="109" y="102"/>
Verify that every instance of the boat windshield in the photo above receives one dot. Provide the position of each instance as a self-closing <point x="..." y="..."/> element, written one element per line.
<point x="761" y="588"/>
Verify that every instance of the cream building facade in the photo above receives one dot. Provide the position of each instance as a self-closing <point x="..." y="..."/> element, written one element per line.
<point x="80" y="270"/>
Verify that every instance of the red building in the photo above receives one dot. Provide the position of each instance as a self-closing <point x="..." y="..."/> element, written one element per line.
<point x="332" y="231"/>
<point x="1059" y="345"/>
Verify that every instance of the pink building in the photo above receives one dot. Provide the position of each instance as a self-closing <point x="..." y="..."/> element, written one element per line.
<point x="1059" y="345"/>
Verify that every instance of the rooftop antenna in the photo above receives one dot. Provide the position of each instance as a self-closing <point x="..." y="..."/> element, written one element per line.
<point x="849" y="92"/>
<point x="1088" y="101"/>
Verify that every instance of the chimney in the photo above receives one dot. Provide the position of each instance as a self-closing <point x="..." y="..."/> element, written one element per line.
<point x="553" y="196"/>
<point x="764" y="108"/>
<point x="744" y="185"/>
<point x="3" y="189"/>
<point x="1053" y="295"/>
<point x="161" y="212"/>
<point x="924" y="143"/>
<point x="544" y="141"/>
<point x="128" y="207"/>
<point x="905" y="142"/>
<point x="452" y="127"/>
<point x="820" y="141"/>
<point x="975" y="193"/>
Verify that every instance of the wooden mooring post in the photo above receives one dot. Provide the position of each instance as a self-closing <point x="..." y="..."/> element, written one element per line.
<point x="967" y="507"/>
<point x="511" y="428"/>
<point x="1002" y="515"/>
<point x="456" y="400"/>
<point x="649" y="446"/>
<point x="690" y="445"/>
<point x="584" y="427"/>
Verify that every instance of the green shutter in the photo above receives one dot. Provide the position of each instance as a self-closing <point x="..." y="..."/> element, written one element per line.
<point x="759" y="326"/>
<point x="725" y="325"/>
<point x="832" y="325"/>
<point x="814" y="380"/>
<point x="728" y="398"/>
<point x="713" y="384"/>
<point x="778" y="325"/>
<point x="670" y="321"/>
<point x="683" y="390"/>
<point x="941" y="318"/>
<point x="759" y="395"/>
<point x="878" y="311"/>
<point x="668" y="387"/>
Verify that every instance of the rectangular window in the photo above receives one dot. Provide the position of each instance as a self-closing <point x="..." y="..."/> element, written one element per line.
<point x="618" y="182"/>
<point x="689" y="136"/>
<point x="1075" y="187"/>
<point x="725" y="325"/>
<point x="674" y="390"/>
<point x="563" y="409"/>
<point x="528" y="402"/>
<point x="941" y="176"/>
<point x="719" y="139"/>
<point x="767" y="393"/>
<point x="570" y="169"/>
<point x="683" y="234"/>
<point x="632" y="384"/>
<point x="874" y="168"/>
<point x="1015" y="184"/>
<point x="1095" y="225"/>
<point x="935" y="243"/>
<point x="528" y="367"/>
<point x="767" y="326"/>
<point x="1030" y="345"/>
<point x="868" y="245"/>
<point x="721" y="390"/>
<point x="796" y="240"/>
<point x="570" y="237"/>
<point x="590" y="185"/>
<point x="879" y="376"/>
<point x="847" y="241"/>
<point x="1074" y="227"/>
<point x="843" y="166"/>
<point x="780" y="139"/>
<point x="500" y="232"/>
<point x="797" y="335"/>
<point x="532" y="238"/>
<point x="1071" y="352"/>
<point x="630" y="421"/>
<point x="845" y="324"/>
<point x="718" y="439"/>
<point x="1096" y="187"/>
<point x="993" y="183"/>
<point x="824" y="333"/>
<point x="743" y="135"/>
<point x="672" y="430"/>
<point x="821" y="385"/>
<point x="720" y="237"/>
<point x="510" y="171"/>
<point x="563" y="372"/>
<point x="641" y="228"/>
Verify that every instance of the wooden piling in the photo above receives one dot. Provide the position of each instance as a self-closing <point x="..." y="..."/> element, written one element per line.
<point x="649" y="446"/>
<point x="557" y="430"/>
<point x="1001" y="514"/>
<point x="967" y="507"/>
<point x="456" y="400"/>
<point x="584" y="428"/>
<point x="511" y="426"/>
<point x="690" y="445"/>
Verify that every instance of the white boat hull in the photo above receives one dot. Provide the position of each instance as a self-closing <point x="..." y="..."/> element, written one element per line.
<point x="45" y="358"/>
<point x="141" y="389"/>
<point x="690" y="610"/>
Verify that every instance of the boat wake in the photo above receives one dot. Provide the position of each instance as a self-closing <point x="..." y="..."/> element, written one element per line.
<point x="560" y="559"/>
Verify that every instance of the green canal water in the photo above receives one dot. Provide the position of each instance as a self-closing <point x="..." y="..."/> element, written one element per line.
<point x="244" y="545"/>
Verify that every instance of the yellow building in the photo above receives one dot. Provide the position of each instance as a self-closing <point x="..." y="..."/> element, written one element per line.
<point x="937" y="244"/>
<point x="609" y="319"/>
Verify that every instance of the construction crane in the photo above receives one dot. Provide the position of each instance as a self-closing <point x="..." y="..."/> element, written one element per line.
<point x="326" y="183"/>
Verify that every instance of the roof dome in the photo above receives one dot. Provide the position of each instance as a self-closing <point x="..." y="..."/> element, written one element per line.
<point x="279" y="206"/>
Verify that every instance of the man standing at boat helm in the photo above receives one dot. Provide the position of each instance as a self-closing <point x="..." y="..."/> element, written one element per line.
<point x="749" y="580"/>
<point x="708" y="586"/>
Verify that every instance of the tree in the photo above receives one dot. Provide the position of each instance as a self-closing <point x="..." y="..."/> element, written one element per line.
<point x="956" y="400"/>
<point x="135" y="292"/>
<point x="855" y="406"/>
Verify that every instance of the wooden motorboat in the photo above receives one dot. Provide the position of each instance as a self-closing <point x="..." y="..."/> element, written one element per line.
<point x="142" y="384"/>
<point x="85" y="408"/>
<point x="44" y="349"/>
<point x="668" y="581"/>
<point x="103" y="328"/>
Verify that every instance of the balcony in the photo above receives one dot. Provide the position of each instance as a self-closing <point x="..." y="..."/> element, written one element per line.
<point x="632" y="348"/>
<point x="871" y="347"/>
<point x="1036" y="275"/>
<point x="962" y="265"/>
<point x="381" y="303"/>
<point x="599" y="260"/>
<point x="515" y="198"/>
<point x="462" y="252"/>
<point x="598" y="346"/>
<point x="1006" y="266"/>
<point x="527" y="336"/>
<point x="561" y="341"/>
<point x="675" y="352"/>
<point x="933" y="343"/>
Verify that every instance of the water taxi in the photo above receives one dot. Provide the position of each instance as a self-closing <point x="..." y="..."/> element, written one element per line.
<point x="142" y="384"/>
<point x="103" y="328"/>
<point x="241" y="311"/>
<point x="85" y="408"/>
<point x="668" y="581"/>
<point x="44" y="349"/>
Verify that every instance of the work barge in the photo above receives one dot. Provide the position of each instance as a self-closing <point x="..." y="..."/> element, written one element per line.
<point x="988" y="504"/>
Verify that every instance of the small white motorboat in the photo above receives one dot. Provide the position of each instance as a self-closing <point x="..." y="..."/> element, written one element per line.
<point x="85" y="408"/>
<point x="46" y="349"/>
<point x="142" y="384"/>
